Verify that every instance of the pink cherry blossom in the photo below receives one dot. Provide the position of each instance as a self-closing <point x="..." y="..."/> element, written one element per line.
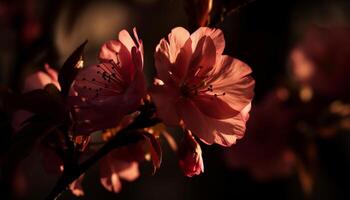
<point x="210" y="92"/>
<point x="110" y="90"/>
<point x="324" y="58"/>
<point x="190" y="153"/>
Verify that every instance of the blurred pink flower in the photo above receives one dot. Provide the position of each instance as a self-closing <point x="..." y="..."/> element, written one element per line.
<point x="324" y="56"/>
<point x="40" y="79"/>
<point x="190" y="153"/>
<point x="210" y="92"/>
<point x="302" y="67"/>
<point x="265" y="150"/>
<point x="110" y="90"/>
<point x="120" y="164"/>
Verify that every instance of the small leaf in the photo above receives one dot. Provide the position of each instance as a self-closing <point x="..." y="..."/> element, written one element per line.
<point x="70" y="69"/>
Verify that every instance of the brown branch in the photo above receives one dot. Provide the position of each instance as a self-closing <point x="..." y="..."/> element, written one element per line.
<point x="216" y="20"/>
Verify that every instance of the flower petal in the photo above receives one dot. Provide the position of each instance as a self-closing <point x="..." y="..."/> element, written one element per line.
<point x="182" y="62"/>
<point x="103" y="97"/>
<point x="39" y="79"/>
<point x="190" y="154"/>
<point x="162" y="60"/>
<point x="165" y="97"/>
<point x="116" y="51"/>
<point x="214" y="107"/>
<point x="76" y="187"/>
<point x="177" y="39"/>
<point x="210" y="130"/>
<point x="109" y="51"/>
<point x="215" y="34"/>
<point x="232" y="77"/>
<point x="112" y="169"/>
<point x="112" y="183"/>
<point x="126" y="39"/>
<point x="203" y="60"/>
<point x="130" y="173"/>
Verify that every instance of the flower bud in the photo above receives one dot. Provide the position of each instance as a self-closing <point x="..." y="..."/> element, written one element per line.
<point x="190" y="154"/>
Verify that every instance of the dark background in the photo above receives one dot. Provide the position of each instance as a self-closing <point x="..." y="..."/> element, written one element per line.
<point x="262" y="34"/>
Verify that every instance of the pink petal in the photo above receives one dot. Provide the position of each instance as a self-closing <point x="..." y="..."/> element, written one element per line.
<point x="165" y="97"/>
<point x="103" y="99"/>
<point x="76" y="187"/>
<point x="52" y="73"/>
<point x="174" y="57"/>
<point x="215" y="34"/>
<point x="245" y="112"/>
<point x="214" y="107"/>
<point x="182" y="62"/>
<point x="232" y="77"/>
<point x="112" y="169"/>
<point x="126" y="39"/>
<point x="109" y="51"/>
<point x="162" y="61"/>
<point x="112" y="183"/>
<point x="210" y="130"/>
<point x="177" y="39"/>
<point x="135" y="91"/>
<point x="109" y="169"/>
<point x="137" y="58"/>
<point x="106" y="112"/>
<point x="190" y="154"/>
<point x="139" y="45"/>
<point x="40" y="79"/>
<point x="116" y="51"/>
<point x="203" y="60"/>
<point x="131" y="173"/>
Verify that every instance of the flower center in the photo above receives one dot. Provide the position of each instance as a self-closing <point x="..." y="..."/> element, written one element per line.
<point x="107" y="78"/>
<point x="190" y="91"/>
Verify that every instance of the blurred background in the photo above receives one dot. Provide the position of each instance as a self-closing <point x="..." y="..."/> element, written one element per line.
<point x="297" y="144"/>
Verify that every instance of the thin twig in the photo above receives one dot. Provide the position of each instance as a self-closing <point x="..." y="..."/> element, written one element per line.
<point x="226" y="12"/>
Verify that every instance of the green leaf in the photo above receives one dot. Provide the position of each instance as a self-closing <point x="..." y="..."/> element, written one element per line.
<point x="70" y="69"/>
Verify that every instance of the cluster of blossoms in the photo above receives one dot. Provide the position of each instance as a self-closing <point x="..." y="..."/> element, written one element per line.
<point x="197" y="88"/>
